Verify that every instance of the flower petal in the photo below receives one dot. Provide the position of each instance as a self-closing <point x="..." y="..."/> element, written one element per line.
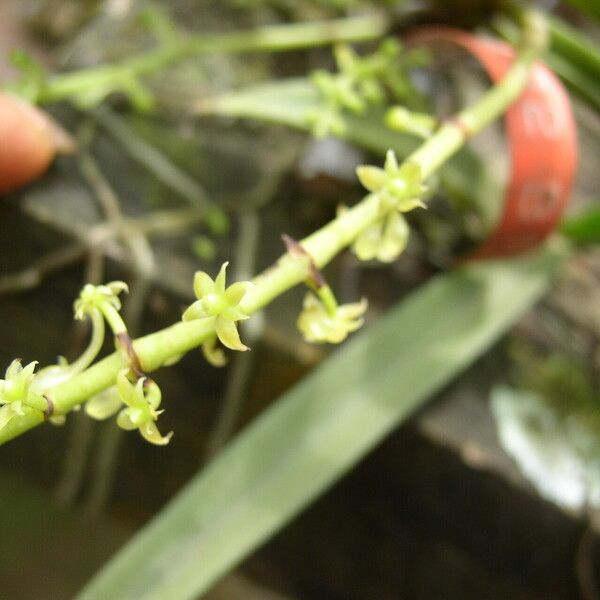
<point x="139" y="415"/>
<point x="117" y="287"/>
<point x="411" y="173"/>
<point x="337" y="335"/>
<point x="103" y="405"/>
<point x="228" y="334"/>
<point x="220" y="280"/>
<point x="372" y="178"/>
<point x="235" y="292"/>
<point x="195" y="311"/>
<point x="395" y="238"/>
<point x="125" y="388"/>
<point x="353" y="310"/>
<point x="14" y="369"/>
<point x="367" y="243"/>
<point x="213" y="353"/>
<point x="151" y="434"/>
<point x="408" y="204"/>
<point x="124" y="422"/>
<point x="152" y="394"/>
<point x="203" y="284"/>
<point x="27" y="371"/>
<point x="391" y="163"/>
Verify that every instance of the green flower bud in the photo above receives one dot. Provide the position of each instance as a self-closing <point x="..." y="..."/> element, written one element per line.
<point x="95" y="296"/>
<point x="402" y="119"/>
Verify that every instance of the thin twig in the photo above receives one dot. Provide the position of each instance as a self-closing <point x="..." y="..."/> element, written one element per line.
<point x="153" y="159"/>
<point x="52" y="262"/>
<point x="103" y="191"/>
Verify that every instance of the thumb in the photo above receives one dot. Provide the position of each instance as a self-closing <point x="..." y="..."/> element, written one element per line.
<point x="29" y="140"/>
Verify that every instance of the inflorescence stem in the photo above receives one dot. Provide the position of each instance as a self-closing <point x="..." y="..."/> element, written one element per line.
<point x="158" y="348"/>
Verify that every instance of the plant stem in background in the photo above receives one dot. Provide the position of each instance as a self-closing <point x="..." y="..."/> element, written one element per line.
<point x="158" y="348"/>
<point x="272" y="38"/>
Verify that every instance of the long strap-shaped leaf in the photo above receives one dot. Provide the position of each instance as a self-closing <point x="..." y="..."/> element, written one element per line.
<point x="322" y="427"/>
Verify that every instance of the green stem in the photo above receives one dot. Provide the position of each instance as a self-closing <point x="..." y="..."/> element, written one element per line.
<point x="158" y="348"/>
<point x="113" y="318"/>
<point x="89" y="354"/>
<point x="327" y="297"/>
<point x="273" y="38"/>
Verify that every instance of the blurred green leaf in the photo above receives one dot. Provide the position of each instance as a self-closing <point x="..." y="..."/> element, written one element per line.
<point x="292" y="102"/>
<point x="32" y="78"/>
<point x="584" y="228"/>
<point x="576" y="59"/>
<point x="321" y="428"/>
<point x="589" y="7"/>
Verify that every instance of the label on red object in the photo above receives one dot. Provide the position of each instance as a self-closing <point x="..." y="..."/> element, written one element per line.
<point x="542" y="140"/>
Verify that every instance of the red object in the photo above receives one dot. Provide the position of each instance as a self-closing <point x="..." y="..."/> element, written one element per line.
<point x="29" y="141"/>
<point x="543" y="144"/>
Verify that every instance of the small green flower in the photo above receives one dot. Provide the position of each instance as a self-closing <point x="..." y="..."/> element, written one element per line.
<point x="98" y="296"/>
<point x="339" y="90"/>
<point x="399" y="186"/>
<point x="221" y="304"/>
<point x="141" y="412"/>
<point x="318" y="325"/>
<point x="103" y="300"/>
<point x="384" y="240"/>
<point x="141" y="401"/>
<point x="16" y="391"/>
<point x="362" y="72"/>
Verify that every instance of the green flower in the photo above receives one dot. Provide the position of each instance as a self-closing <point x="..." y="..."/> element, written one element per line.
<point x="339" y="90"/>
<point x="141" y="401"/>
<point x="318" y="325"/>
<point x="15" y="391"/>
<point x="221" y="304"/>
<point x="399" y="186"/>
<point x="363" y="72"/>
<point x="384" y="240"/>
<point x="98" y="296"/>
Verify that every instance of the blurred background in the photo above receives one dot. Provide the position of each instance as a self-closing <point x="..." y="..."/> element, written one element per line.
<point x="490" y="491"/>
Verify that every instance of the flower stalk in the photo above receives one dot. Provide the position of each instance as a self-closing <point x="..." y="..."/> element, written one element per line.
<point x="158" y="348"/>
